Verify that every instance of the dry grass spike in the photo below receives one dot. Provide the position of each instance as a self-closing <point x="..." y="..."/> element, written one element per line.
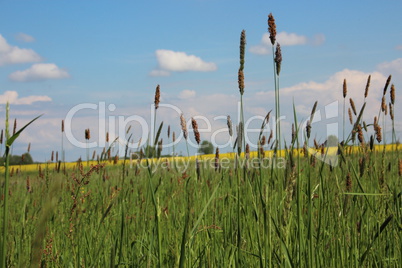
<point x="196" y="132"/>
<point x="272" y="28"/>
<point x="352" y="104"/>
<point x="366" y="91"/>
<point x="157" y="97"/>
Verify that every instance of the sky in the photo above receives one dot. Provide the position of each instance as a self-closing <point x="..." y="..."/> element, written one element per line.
<point x="96" y="64"/>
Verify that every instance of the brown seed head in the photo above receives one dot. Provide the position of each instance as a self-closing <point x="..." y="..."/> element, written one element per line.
<point x="157" y="96"/>
<point x="29" y="147"/>
<point x="272" y="28"/>
<point x="263" y="140"/>
<point x="387" y="84"/>
<point x="62" y="126"/>
<point x="367" y="86"/>
<point x="196" y="132"/>
<point x="308" y="129"/>
<point x="278" y="58"/>
<point x="107" y="136"/>
<point x="183" y="126"/>
<point x="174" y="136"/>
<point x="371" y="142"/>
<point x="313" y="111"/>
<point x="345" y="88"/>
<point x="350" y="116"/>
<point x="392" y="93"/>
<point x="352" y="104"/>
<point x="391" y="111"/>
<point x="242" y="48"/>
<point x="216" y="158"/>
<point x="168" y="132"/>
<point x="1" y="137"/>
<point x="241" y="81"/>
<point x="383" y="105"/>
<point x="52" y="156"/>
<point x="247" y="151"/>
<point x="378" y="133"/>
<point x="230" y="125"/>
<point x="360" y="134"/>
<point x="400" y="167"/>
<point x="87" y="134"/>
<point x="271" y="135"/>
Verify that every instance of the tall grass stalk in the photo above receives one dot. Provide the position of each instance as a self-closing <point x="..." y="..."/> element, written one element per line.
<point x="9" y="142"/>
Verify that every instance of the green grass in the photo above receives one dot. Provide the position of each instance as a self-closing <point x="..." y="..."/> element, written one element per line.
<point x="80" y="219"/>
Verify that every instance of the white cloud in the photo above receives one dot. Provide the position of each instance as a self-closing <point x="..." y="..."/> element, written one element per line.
<point x="13" y="54"/>
<point x="24" y="37"/>
<point x="159" y="73"/>
<point x="12" y="98"/>
<point x="39" y="71"/>
<point x="187" y="94"/>
<point x="393" y="67"/>
<point x="285" y="39"/>
<point x="175" y="61"/>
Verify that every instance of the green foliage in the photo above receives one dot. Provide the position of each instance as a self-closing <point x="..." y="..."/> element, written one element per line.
<point x="332" y="140"/>
<point x="206" y="147"/>
<point x="25" y="159"/>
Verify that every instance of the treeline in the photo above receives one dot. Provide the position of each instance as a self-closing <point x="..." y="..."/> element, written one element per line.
<point x="24" y="159"/>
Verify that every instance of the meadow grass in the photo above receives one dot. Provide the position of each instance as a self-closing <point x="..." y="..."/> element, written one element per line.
<point x="279" y="208"/>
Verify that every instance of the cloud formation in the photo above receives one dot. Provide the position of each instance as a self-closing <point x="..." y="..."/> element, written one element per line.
<point x="13" y="54"/>
<point x="286" y="39"/>
<point x="24" y="37"/>
<point x="39" y="72"/>
<point x="176" y="61"/>
<point x="12" y="98"/>
<point x="187" y="94"/>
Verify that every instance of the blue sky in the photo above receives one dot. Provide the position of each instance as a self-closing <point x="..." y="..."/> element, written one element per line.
<point x="55" y="55"/>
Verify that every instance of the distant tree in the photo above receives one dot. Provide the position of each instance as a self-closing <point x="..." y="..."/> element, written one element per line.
<point x="24" y="159"/>
<point x="206" y="147"/>
<point x="332" y="140"/>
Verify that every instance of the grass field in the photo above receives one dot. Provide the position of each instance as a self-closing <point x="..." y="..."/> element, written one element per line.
<point x="288" y="207"/>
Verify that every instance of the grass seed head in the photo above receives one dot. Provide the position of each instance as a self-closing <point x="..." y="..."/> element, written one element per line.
<point x="352" y="104"/>
<point x="278" y="58"/>
<point x="168" y="132"/>
<point x="383" y="105"/>
<point x="391" y="111"/>
<point x="308" y="129"/>
<point x="242" y="48"/>
<point x="360" y="134"/>
<point x="378" y="133"/>
<point x="87" y="134"/>
<point x="270" y="137"/>
<point x="230" y="125"/>
<point x="183" y="126"/>
<point x="350" y="116"/>
<point x="272" y="28"/>
<point x="241" y="81"/>
<point x="345" y="88"/>
<point x="387" y="84"/>
<point x="400" y="167"/>
<point x="366" y="91"/>
<point x="392" y="94"/>
<point x="196" y="132"/>
<point x="157" y="96"/>
<point x="62" y="126"/>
